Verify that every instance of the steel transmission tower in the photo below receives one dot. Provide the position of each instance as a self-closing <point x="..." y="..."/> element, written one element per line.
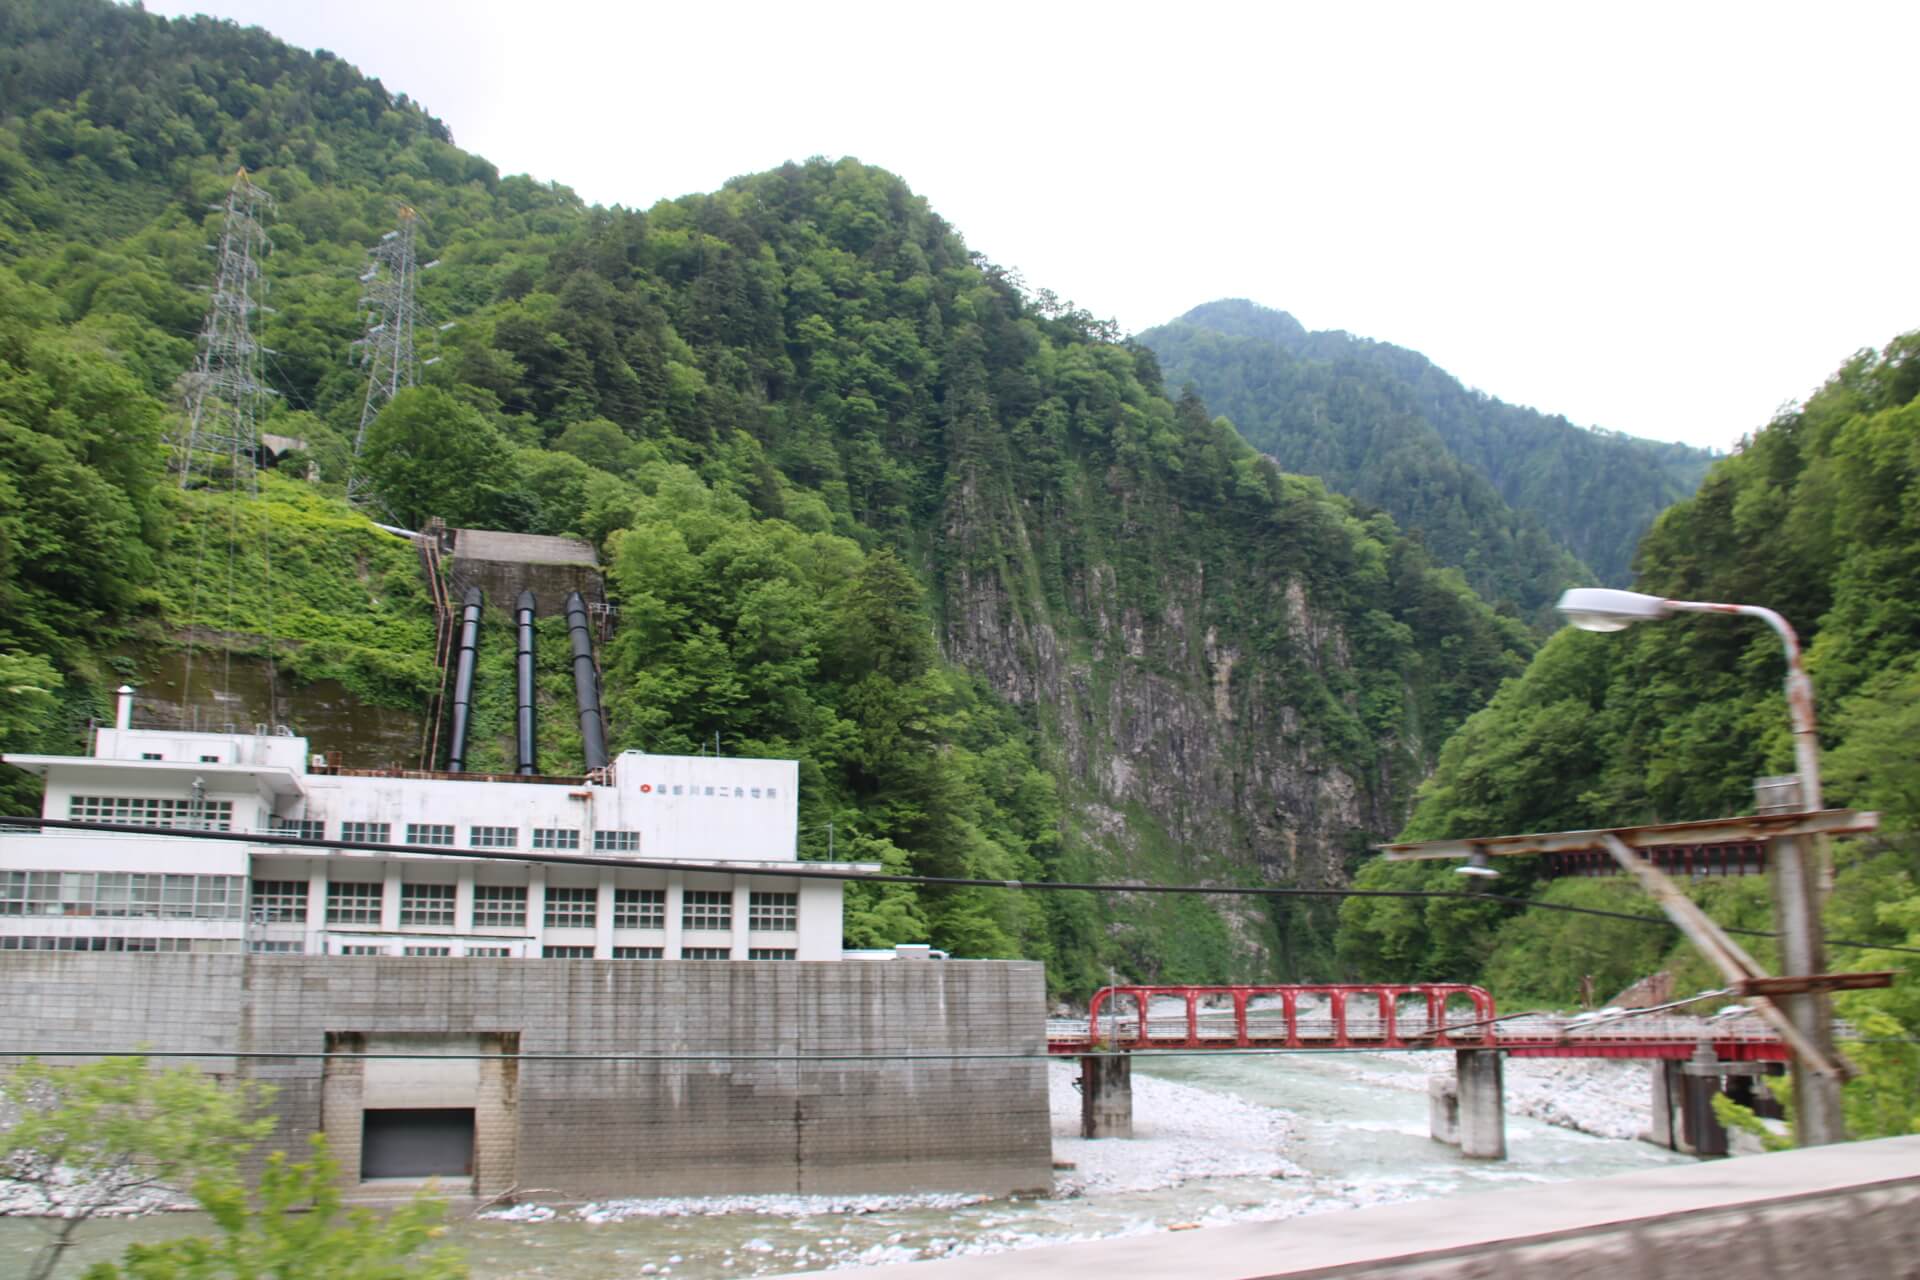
<point x="224" y="388"/>
<point x="392" y="315"/>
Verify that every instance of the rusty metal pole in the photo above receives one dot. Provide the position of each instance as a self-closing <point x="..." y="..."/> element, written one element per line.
<point x="1801" y="874"/>
<point x="1818" y="1117"/>
<point x="1801" y="871"/>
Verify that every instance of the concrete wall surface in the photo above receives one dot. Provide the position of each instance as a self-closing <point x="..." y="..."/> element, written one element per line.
<point x="910" y="1086"/>
<point x="1849" y="1212"/>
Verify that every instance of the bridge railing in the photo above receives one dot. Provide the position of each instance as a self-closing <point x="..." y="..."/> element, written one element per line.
<point x="1323" y="1016"/>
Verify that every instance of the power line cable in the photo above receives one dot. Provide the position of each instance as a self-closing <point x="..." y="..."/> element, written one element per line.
<point x="806" y="871"/>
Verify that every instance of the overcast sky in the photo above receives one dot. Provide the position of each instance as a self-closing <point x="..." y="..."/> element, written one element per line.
<point x="1668" y="219"/>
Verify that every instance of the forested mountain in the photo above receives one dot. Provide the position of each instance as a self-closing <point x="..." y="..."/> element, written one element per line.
<point x="1020" y="613"/>
<point x="1818" y="517"/>
<point x="1518" y="500"/>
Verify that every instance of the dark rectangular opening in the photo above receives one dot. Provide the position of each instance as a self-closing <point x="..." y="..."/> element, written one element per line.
<point x="422" y="1143"/>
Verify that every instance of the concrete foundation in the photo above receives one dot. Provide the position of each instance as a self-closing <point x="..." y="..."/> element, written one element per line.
<point x="1106" y="1097"/>
<point x="1483" y="1118"/>
<point x="908" y="1086"/>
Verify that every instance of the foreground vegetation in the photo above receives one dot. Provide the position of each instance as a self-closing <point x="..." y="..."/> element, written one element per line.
<point x="91" y="1139"/>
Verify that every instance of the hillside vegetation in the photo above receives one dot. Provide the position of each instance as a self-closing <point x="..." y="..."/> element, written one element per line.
<point x="1524" y="503"/>
<point x="1018" y="611"/>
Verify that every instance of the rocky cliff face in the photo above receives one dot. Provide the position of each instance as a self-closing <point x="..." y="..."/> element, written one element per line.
<point x="1239" y="699"/>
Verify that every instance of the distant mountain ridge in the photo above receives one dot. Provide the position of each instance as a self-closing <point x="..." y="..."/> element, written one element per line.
<point x="1520" y="500"/>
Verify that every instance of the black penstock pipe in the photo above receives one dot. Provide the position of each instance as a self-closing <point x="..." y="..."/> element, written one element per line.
<point x="586" y="684"/>
<point x="523" y="671"/>
<point x="463" y="681"/>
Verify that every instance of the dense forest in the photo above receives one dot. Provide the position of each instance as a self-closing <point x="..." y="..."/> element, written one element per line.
<point x="1815" y="516"/>
<point x="1019" y="611"/>
<point x="1524" y="503"/>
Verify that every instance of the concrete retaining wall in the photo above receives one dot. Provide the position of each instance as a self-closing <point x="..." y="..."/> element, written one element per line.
<point x="592" y="1129"/>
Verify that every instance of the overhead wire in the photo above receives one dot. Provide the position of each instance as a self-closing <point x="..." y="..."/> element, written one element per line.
<point x="816" y="871"/>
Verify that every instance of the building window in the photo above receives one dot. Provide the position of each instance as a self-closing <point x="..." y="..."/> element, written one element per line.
<point x="305" y="828"/>
<point x="362" y="950"/>
<point x="209" y="759"/>
<point x="427" y="951"/>
<point x="366" y="832"/>
<point x="499" y="906"/>
<point x="279" y="902"/>
<point x="276" y="947"/>
<point x="490" y="953"/>
<point x="121" y="895"/>
<point x="638" y="953"/>
<point x="705" y="953"/>
<point x="566" y="953"/>
<point x="430" y="833"/>
<point x="426" y="904"/>
<point x="150" y="755"/>
<point x="493" y="837"/>
<point x="639" y="908"/>
<point x="706" y="909"/>
<point x="556" y="838"/>
<point x="135" y="811"/>
<point x="778" y="912"/>
<point x="616" y="842"/>
<point x="19" y="942"/>
<point x="354" y="903"/>
<point x="770" y="953"/>
<point x="571" y="908"/>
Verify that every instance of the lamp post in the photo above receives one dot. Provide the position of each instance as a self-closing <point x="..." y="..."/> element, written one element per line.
<point x="1797" y="885"/>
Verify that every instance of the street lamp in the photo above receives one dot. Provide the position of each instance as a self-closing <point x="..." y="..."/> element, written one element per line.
<point x="1602" y="609"/>
<point x="1796" y="892"/>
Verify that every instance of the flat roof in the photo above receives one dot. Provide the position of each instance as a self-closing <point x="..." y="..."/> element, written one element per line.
<point x="278" y="779"/>
<point x="520" y="548"/>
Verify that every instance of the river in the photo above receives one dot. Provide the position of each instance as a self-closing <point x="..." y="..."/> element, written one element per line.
<point x="1341" y="1138"/>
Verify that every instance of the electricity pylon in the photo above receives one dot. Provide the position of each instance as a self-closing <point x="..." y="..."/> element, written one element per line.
<point x="392" y="314"/>
<point x="224" y="389"/>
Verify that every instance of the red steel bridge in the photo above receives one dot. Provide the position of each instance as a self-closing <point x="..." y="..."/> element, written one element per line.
<point x="1387" y="1017"/>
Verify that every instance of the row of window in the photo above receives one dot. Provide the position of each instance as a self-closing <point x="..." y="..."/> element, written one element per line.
<point x="121" y="894"/>
<point x="503" y="906"/>
<point x="138" y="811"/>
<point x="558" y="953"/>
<point x="441" y="835"/>
<point x="16" y="942"/>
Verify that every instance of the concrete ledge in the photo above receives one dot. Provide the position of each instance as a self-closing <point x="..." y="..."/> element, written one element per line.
<point x="1838" y="1213"/>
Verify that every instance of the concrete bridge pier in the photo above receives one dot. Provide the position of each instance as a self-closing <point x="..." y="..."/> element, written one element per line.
<point x="1683" y="1094"/>
<point x="1479" y="1076"/>
<point x="1106" y="1096"/>
<point x="1469" y="1111"/>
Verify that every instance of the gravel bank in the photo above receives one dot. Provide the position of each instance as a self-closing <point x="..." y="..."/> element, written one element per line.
<point x="1608" y="1098"/>
<point x="1179" y="1133"/>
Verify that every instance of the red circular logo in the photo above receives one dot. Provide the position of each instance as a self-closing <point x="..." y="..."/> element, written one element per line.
<point x="646" y="786"/>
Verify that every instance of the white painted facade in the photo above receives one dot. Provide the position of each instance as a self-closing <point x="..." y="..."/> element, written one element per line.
<point x="108" y="891"/>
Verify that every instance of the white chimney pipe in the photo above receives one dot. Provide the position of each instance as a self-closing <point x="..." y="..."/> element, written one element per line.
<point x="123" y="712"/>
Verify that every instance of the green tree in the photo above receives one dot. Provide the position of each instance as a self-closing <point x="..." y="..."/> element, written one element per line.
<point x="115" y="1131"/>
<point x="293" y="1225"/>
<point x="428" y="454"/>
<point x="112" y="1131"/>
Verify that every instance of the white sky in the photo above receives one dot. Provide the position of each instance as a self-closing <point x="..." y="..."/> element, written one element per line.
<point x="1668" y="219"/>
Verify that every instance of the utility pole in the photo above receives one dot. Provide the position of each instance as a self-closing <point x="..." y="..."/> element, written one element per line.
<point x="1794" y="875"/>
<point x="224" y="388"/>
<point x="392" y="315"/>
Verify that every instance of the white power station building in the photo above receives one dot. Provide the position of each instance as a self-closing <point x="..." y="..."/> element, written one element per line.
<point x="66" y="890"/>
